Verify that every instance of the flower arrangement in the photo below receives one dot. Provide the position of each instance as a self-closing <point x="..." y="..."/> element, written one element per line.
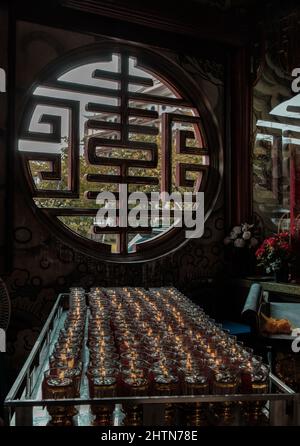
<point x="242" y="236"/>
<point x="275" y="252"/>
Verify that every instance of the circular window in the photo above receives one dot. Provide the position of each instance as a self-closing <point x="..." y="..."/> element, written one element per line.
<point x="114" y="116"/>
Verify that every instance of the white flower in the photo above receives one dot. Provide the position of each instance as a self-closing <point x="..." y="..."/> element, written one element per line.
<point x="232" y="235"/>
<point x="227" y="241"/>
<point x="246" y="227"/>
<point x="237" y="230"/>
<point x="253" y="242"/>
<point x="247" y="235"/>
<point x="239" y="243"/>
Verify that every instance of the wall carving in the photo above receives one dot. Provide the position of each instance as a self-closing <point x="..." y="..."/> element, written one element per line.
<point x="45" y="265"/>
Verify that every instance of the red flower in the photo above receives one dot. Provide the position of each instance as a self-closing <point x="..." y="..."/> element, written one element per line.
<point x="284" y="235"/>
<point x="274" y="249"/>
<point x="271" y="242"/>
<point x="259" y="252"/>
<point x="285" y="246"/>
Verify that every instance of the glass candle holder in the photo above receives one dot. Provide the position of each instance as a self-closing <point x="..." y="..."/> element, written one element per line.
<point x="75" y="374"/>
<point x="166" y="384"/>
<point x="134" y="385"/>
<point x="102" y="387"/>
<point x="225" y="382"/>
<point x="197" y="384"/>
<point x="102" y="371"/>
<point x="57" y="386"/>
<point x="63" y="357"/>
<point x="259" y="384"/>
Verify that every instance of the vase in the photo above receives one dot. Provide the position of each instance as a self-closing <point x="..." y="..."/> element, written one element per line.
<point x="282" y="275"/>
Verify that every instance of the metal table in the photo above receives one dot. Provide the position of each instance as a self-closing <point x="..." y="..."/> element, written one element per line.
<point x="25" y="407"/>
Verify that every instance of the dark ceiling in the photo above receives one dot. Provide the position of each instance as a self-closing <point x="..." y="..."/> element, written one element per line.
<point x="230" y="22"/>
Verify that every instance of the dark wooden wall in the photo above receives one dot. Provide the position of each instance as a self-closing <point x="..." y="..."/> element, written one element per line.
<point x="36" y="264"/>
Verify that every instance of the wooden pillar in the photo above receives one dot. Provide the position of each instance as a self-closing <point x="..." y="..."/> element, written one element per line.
<point x="239" y="173"/>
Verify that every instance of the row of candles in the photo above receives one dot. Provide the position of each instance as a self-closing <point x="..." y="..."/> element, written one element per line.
<point x="158" y="342"/>
<point x="148" y="342"/>
<point x="63" y="378"/>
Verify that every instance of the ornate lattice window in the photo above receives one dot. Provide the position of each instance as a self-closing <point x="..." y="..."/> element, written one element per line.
<point x="111" y="115"/>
